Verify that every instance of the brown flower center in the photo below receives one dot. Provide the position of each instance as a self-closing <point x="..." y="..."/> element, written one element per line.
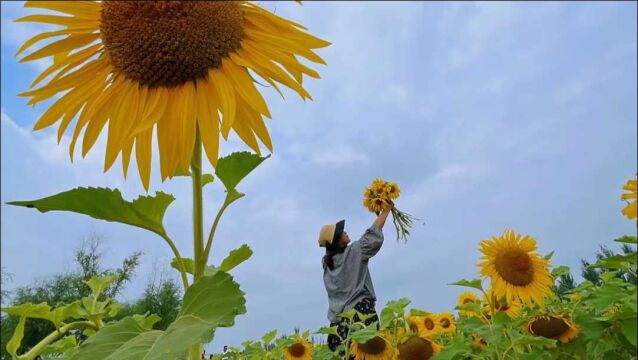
<point x="550" y="327"/>
<point x="297" y="350"/>
<point x="467" y="301"/>
<point x="515" y="266"/>
<point x="374" y="346"/>
<point x="445" y="323"/>
<point x="415" y="348"/>
<point x="429" y="324"/>
<point x="167" y="43"/>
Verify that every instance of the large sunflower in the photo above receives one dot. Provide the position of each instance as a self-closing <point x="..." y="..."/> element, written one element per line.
<point x="416" y="348"/>
<point x="515" y="270"/>
<point x="300" y="350"/>
<point x="631" y="210"/>
<point x="467" y="298"/>
<point x="553" y="327"/>
<point x="377" y="348"/>
<point x="176" y="66"/>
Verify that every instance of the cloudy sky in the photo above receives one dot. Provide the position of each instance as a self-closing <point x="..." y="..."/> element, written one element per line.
<point x="489" y="116"/>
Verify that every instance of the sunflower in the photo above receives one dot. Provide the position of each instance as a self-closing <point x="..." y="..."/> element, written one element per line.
<point x="446" y="323"/>
<point x="377" y="348"/>
<point x="467" y="298"/>
<point x="553" y="327"/>
<point x="299" y="350"/>
<point x="631" y="210"/>
<point x="512" y="308"/>
<point x="426" y="325"/>
<point x="516" y="271"/>
<point x="377" y="204"/>
<point x="392" y="191"/>
<point x="181" y="67"/>
<point x="416" y="348"/>
<point x="478" y="341"/>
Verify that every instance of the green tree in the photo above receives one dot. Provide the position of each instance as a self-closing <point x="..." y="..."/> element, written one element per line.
<point x="65" y="288"/>
<point x="163" y="298"/>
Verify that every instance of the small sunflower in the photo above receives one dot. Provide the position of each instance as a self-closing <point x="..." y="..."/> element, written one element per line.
<point x="300" y="350"/>
<point x="377" y="204"/>
<point x="377" y="348"/>
<point x="427" y="325"/>
<point x="416" y="348"/>
<point x="516" y="271"/>
<point x="392" y="190"/>
<point x="178" y="67"/>
<point x="553" y="327"/>
<point x="446" y="323"/>
<point x="512" y="308"/>
<point x="478" y="341"/>
<point x="467" y="298"/>
<point x="631" y="210"/>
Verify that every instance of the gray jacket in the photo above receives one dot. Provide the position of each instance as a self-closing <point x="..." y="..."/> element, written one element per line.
<point x="349" y="281"/>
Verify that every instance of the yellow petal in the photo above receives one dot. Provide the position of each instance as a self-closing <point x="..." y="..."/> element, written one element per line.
<point x="69" y="43"/>
<point x="68" y="21"/>
<point x="227" y="99"/>
<point x="70" y="63"/>
<point x="255" y="122"/>
<point x="88" y="9"/>
<point x="126" y="156"/>
<point x="208" y="119"/>
<point x="188" y="121"/>
<point x="143" y="155"/>
<point x="243" y="84"/>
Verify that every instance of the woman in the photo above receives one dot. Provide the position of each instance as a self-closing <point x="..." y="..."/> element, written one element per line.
<point x="346" y="275"/>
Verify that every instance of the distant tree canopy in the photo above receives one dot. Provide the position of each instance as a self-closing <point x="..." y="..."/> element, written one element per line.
<point x="161" y="297"/>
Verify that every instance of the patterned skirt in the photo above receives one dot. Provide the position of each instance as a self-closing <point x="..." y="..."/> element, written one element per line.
<point x="365" y="306"/>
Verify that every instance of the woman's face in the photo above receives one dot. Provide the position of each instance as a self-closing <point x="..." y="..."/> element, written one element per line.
<point x="344" y="240"/>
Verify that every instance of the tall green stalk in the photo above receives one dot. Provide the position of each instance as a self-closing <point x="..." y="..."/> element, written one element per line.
<point x="198" y="224"/>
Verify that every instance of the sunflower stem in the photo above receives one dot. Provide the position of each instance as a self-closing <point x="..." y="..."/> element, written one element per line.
<point x="198" y="224"/>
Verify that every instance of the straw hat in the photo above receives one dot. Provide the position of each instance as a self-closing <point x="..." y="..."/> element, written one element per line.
<point x="329" y="233"/>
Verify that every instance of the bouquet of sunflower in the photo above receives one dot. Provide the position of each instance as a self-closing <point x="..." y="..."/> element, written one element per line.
<point x="379" y="196"/>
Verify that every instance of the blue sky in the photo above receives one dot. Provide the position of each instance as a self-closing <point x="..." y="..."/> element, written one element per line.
<point x="489" y="115"/>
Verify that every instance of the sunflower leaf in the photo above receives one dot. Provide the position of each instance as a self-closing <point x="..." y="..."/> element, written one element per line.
<point x="269" y="336"/>
<point x="327" y="330"/>
<point x="146" y="212"/>
<point x="474" y="283"/>
<point x="630" y="331"/>
<point x="548" y="256"/>
<point x="561" y="270"/>
<point x="233" y="168"/>
<point x="627" y="239"/>
<point x="615" y="261"/>
<point x="211" y="302"/>
<point x="365" y="334"/>
<point x="236" y="257"/>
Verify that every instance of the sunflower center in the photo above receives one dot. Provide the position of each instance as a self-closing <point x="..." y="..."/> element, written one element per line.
<point x="167" y="43"/>
<point x="445" y="323"/>
<point x="373" y="346"/>
<point x="467" y="301"/>
<point x="549" y="327"/>
<point x="297" y="350"/>
<point x="429" y="324"/>
<point x="515" y="266"/>
<point x="415" y="348"/>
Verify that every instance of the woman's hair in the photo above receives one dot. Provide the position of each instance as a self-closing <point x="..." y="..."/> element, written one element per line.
<point x="332" y="249"/>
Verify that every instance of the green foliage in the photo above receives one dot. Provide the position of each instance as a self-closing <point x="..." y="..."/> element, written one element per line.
<point x="235" y="167"/>
<point x="474" y="283"/>
<point x="163" y="299"/>
<point x="146" y="212"/>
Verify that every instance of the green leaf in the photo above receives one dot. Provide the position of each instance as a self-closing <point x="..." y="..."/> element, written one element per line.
<point x="233" y="168"/>
<point x="548" y="256"/>
<point x="474" y="283"/>
<point x="18" y="334"/>
<point x="98" y="284"/>
<point x="59" y="314"/>
<point x="365" y="334"/>
<point x="348" y="314"/>
<point x="627" y="239"/>
<point x="207" y="179"/>
<point x="327" y="330"/>
<point x="60" y="346"/>
<point x="211" y="302"/>
<point x="615" y="261"/>
<point x="146" y="212"/>
<point x="145" y="321"/>
<point x="561" y="270"/>
<point x="417" y="312"/>
<point x="236" y="257"/>
<point x="189" y="264"/>
<point x="269" y="336"/>
<point x="629" y="330"/>
<point x="29" y="310"/>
